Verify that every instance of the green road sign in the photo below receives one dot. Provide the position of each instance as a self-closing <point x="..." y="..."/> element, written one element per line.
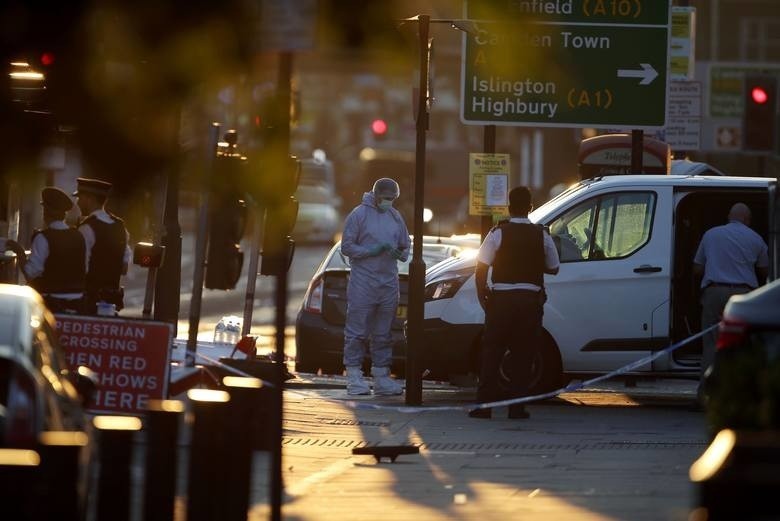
<point x="566" y="63"/>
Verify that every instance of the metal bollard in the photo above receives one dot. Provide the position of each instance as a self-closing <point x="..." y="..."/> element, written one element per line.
<point x="115" y="440"/>
<point x="206" y="495"/>
<point x="245" y="394"/>
<point x="162" y="432"/>
<point x="18" y="473"/>
<point x="258" y="423"/>
<point x="59" y="493"/>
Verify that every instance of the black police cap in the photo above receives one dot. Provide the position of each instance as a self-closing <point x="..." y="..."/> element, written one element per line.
<point x="55" y="199"/>
<point x="86" y="185"/>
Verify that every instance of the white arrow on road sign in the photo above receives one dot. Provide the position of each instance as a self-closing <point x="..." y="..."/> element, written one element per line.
<point x="648" y="73"/>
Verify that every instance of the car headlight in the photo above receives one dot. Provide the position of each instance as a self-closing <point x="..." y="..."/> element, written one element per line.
<point x="445" y="288"/>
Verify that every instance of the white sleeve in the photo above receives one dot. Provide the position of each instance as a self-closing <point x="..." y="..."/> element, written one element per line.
<point x="89" y="241"/>
<point x="551" y="260"/>
<point x="489" y="247"/>
<point x="128" y="257"/>
<point x="39" y="252"/>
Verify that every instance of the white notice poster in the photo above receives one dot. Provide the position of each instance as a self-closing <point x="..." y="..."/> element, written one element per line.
<point x="497" y="190"/>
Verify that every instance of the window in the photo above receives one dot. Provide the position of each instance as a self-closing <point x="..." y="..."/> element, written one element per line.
<point x="758" y="38"/>
<point x="608" y="227"/>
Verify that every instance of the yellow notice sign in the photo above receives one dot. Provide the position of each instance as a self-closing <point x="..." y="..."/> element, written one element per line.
<point x="682" y="48"/>
<point x="488" y="184"/>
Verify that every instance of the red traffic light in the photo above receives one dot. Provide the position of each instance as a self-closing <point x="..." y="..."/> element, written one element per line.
<point x="759" y="118"/>
<point x="379" y="127"/>
<point x="148" y="255"/>
<point x="759" y="95"/>
<point x="47" y="58"/>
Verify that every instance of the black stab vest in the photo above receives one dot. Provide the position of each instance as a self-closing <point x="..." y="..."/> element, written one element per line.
<point x="107" y="257"/>
<point x="520" y="257"/>
<point x="64" y="270"/>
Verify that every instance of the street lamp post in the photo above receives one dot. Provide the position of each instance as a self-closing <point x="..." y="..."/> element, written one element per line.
<point x="417" y="265"/>
<point x="414" y="337"/>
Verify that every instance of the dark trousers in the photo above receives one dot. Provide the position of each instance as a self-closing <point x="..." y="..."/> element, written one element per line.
<point x="513" y="321"/>
<point x="61" y="305"/>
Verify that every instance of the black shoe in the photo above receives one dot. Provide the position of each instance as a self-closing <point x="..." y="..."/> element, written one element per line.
<point x="517" y="412"/>
<point x="481" y="413"/>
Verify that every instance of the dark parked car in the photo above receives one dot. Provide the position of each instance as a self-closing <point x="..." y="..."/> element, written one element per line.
<point x="743" y="385"/>
<point x="37" y="393"/>
<point x="319" y="328"/>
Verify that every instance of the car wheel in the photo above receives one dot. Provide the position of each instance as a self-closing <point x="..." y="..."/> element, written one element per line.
<point x="547" y="370"/>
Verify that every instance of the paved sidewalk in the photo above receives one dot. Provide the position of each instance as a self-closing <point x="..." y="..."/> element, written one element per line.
<point x="607" y="453"/>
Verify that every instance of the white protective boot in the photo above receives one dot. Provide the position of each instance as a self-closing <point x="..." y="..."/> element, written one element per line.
<point x="356" y="384"/>
<point x="384" y="385"/>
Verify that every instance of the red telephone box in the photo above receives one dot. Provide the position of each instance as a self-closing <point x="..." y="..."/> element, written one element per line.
<point x="610" y="154"/>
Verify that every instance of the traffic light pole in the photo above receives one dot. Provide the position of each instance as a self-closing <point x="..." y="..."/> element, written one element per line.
<point x="200" y="248"/>
<point x="251" y="281"/>
<point x="281" y="147"/>
<point x="168" y="284"/>
<point x="414" y="344"/>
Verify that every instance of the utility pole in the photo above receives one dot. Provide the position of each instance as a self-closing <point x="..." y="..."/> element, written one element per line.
<point x="488" y="147"/>
<point x="201" y="239"/>
<point x="637" y="149"/>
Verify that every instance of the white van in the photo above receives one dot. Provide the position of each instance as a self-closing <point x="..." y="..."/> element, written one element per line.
<point x="625" y="286"/>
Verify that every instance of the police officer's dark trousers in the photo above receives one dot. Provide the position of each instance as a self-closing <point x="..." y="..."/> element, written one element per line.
<point x="513" y="321"/>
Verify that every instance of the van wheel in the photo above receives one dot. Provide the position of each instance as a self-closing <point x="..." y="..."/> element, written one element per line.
<point x="547" y="371"/>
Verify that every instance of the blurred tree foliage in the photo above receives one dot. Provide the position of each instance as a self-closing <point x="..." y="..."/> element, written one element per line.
<point x="121" y="73"/>
<point x="122" y="70"/>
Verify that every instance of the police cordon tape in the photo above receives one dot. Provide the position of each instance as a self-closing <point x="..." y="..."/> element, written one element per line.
<point x="359" y="405"/>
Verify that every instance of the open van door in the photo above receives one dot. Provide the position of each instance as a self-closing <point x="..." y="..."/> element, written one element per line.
<point x="774" y="230"/>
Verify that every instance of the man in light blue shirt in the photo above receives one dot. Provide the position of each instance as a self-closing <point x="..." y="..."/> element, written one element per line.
<point x="731" y="259"/>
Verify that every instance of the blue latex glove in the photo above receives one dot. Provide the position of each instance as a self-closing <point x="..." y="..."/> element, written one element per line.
<point x="396" y="253"/>
<point x="377" y="249"/>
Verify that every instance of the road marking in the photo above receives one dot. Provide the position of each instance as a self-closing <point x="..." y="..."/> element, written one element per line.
<point x="332" y="470"/>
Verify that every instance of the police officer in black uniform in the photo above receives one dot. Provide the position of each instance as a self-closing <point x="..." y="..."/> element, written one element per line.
<point x="106" y="238"/>
<point x="56" y="267"/>
<point x="520" y="253"/>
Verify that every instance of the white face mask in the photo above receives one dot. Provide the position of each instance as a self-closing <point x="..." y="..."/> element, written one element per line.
<point x="385" y="205"/>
